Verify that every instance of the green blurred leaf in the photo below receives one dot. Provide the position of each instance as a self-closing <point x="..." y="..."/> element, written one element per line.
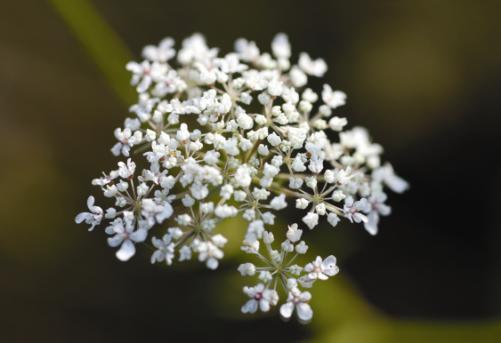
<point x="100" y="41"/>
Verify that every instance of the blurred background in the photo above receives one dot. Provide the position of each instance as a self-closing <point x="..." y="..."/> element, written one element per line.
<point x="423" y="76"/>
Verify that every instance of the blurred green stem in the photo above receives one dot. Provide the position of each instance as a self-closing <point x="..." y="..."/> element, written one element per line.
<point x="101" y="43"/>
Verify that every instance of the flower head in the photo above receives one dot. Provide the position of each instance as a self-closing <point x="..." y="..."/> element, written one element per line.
<point x="261" y="298"/>
<point x="299" y="301"/>
<point x="214" y="136"/>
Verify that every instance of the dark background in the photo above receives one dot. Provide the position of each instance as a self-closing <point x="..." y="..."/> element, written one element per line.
<point x="423" y="76"/>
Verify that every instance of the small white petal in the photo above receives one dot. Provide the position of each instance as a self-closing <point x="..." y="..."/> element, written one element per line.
<point x="304" y="312"/>
<point x="264" y="305"/>
<point x="250" y="306"/>
<point x="80" y="218"/>
<point x="126" y="251"/>
<point x="212" y="263"/>
<point x="115" y="241"/>
<point x="90" y="202"/>
<point x="139" y="235"/>
<point x="286" y="310"/>
<point x="372" y="222"/>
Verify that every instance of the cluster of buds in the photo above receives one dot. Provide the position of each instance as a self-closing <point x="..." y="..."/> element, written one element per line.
<point x="212" y="137"/>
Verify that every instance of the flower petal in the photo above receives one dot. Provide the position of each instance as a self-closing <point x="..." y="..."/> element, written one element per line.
<point x="139" y="235"/>
<point x="115" y="241"/>
<point x="81" y="217"/>
<point x="264" y="305"/>
<point x="304" y="312"/>
<point x="90" y="202"/>
<point x="126" y="251"/>
<point x="250" y="306"/>
<point x="286" y="310"/>
<point x="372" y="222"/>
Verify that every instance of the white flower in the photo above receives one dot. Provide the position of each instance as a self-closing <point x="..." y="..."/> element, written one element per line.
<point x="338" y="195"/>
<point x="225" y="211"/>
<point x="165" y="249"/>
<point x="316" y="67"/>
<point x="242" y="176"/>
<point x="298" y="164"/>
<point x="230" y="64"/>
<point x="275" y="88"/>
<point x="185" y="253"/>
<point x="295" y="182"/>
<point x="387" y="175"/>
<point x="311" y="220"/>
<point x="268" y="237"/>
<point x="278" y="202"/>
<point x="239" y="196"/>
<point x="293" y="233"/>
<point x="261" y="297"/>
<point x="376" y="207"/>
<point x="209" y="251"/>
<point x="329" y="176"/>
<point x="274" y="139"/>
<point x="302" y="203"/>
<point x="297" y="300"/>
<point x="309" y="95"/>
<point x="298" y="77"/>
<point x="126" y="140"/>
<point x="158" y="212"/>
<point x="125" y="235"/>
<point x="268" y="218"/>
<point x="219" y="240"/>
<point x="161" y="53"/>
<point x="184" y="219"/>
<point x="311" y="182"/>
<point x="260" y="193"/>
<point x="270" y="170"/>
<point x="333" y="99"/>
<point x="281" y="47"/>
<point x="321" y="209"/>
<point x="301" y="248"/>
<point x="255" y="231"/>
<point x="287" y="246"/>
<point x="296" y="136"/>
<point x="322" y="269"/>
<point x="353" y="210"/>
<point x="245" y="121"/>
<point x="250" y="246"/>
<point x="91" y="218"/>
<point x="183" y="135"/>
<point x="333" y="219"/>
<point x="263" y="150"/>
<point x="316" y="164"/>
<point x="125" y="171"/>
<point x="247" y="269"/>
<point x="142" y="74"/>
<point x="341" y="176"/>
<point x="226" y="191"/>
<point x="248" y="51"/>
<point x="212" y="157"/>
<point x="337" y="123"/>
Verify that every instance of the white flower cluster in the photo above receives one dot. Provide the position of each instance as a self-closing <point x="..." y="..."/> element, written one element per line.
<point x="239" y="134"/>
